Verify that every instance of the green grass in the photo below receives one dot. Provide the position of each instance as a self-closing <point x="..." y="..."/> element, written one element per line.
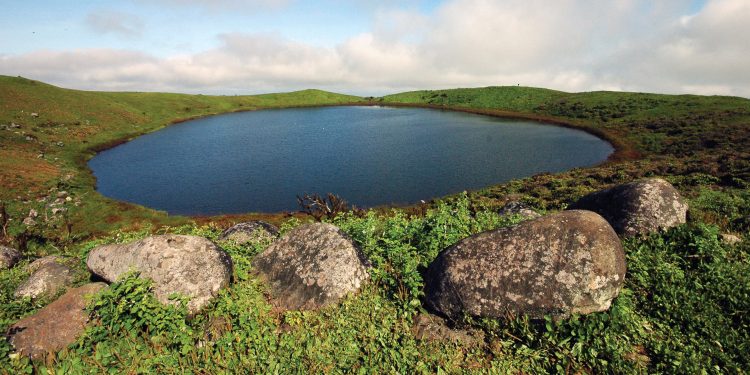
<point x="508" y="98"/>
<point x="683" y="310"/>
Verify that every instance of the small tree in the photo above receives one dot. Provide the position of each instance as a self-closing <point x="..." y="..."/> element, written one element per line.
<point x="319" y="207"/>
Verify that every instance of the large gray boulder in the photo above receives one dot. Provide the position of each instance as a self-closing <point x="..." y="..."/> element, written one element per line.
<point x="312" y="266"/>
<point x="188" y="265"/>
<point x="49" y="276"/>
<point x="570" y="262"/>
<point x="8" y="257"/>
<point x="639" y="207"/>
<point x="249" y="231"/>
<point x="55" y="326"/>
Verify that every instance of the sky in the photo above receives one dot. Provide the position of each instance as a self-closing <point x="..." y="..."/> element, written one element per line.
<point x="379" y="47"/>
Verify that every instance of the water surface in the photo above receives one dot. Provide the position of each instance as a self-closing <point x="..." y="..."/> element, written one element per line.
<point x="260" y="161"/>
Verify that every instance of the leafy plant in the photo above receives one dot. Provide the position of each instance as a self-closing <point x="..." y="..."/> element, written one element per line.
<point x="695" y="292"/>
<point x="129" y="307"/>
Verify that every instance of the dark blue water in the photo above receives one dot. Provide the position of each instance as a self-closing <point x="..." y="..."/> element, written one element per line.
<point x="260" y="161"/>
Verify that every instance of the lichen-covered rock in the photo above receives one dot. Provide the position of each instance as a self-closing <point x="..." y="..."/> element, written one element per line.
<point x="639" y="207"/>
<point x="188" y="265"/>
<point x="520" y="209"/>
<point x="312" y="266"/>
<point x="49" y="276"/>
<point x="8" y="257"/>
<point x="55" y="326"/>
<point x="570" y="262"/>
<point x="249" y="231"/>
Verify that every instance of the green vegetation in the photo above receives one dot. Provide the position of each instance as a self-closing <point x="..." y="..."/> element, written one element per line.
<point x="517" y="99"/>
<point x="682" y="311"/>
<point x="684" y="308"/>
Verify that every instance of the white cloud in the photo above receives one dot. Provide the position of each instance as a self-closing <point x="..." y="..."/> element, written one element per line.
<point x="123" y="24"/>
<point x="703" y="53"/>
<point x="572" y="45"/>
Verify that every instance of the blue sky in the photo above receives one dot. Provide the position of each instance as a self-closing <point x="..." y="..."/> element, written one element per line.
<point x="377" y="47"/>
<point x="166" y="27"/>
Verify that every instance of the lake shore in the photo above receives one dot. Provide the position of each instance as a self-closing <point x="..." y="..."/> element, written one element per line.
<point x="140" y="113"/>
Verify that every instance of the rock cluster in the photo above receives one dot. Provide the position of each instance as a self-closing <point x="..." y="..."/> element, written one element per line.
<point x="52" y="207"/>
<point x="570" y="262"/>
<point x="188" y="265"/>
<point x="561" y="264"/>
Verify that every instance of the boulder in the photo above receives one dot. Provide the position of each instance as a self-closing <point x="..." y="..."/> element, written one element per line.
<point x="8" y="257"/>
<point x="519" y="208"/>
<point x="188" y="265"/>
<point x="249" y="231"/>
<point x="49" y="276"/>
<point x="55" y="326"/>
<point x="570" y="262"/>
<point x="639" y="207"/>
<point x="312" y="266"/>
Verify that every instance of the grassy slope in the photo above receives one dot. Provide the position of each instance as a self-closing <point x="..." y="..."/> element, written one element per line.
<point x="683" y="309"/>
<point x="518" y="99"/>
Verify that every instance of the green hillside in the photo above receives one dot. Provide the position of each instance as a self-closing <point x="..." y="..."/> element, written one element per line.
<point x="508" y="98"/>
<point x="48" y="150"/>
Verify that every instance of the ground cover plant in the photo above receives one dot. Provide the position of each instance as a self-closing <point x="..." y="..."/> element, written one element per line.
<point x="683" y="309"/>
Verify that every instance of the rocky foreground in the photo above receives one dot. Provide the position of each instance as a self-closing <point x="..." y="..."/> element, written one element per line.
<point x="564" y="263"/>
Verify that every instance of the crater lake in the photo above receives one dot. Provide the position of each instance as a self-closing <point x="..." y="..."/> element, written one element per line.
<point x="259" y="161"/>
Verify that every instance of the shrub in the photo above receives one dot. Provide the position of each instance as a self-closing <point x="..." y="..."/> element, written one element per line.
<point x="322" y="208"/>
<point x="129" y="307"/>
